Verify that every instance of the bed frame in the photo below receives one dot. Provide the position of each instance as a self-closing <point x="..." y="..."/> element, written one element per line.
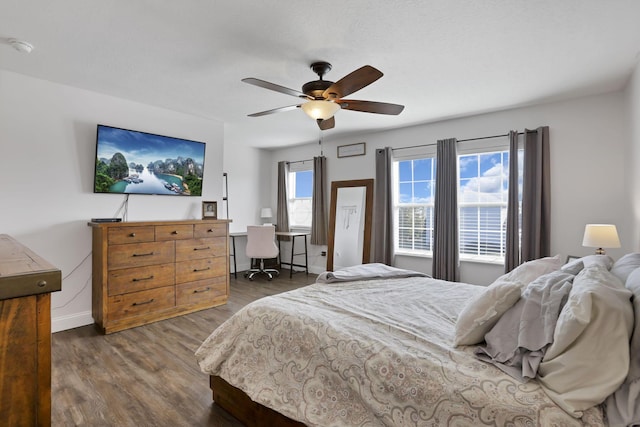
<point x="250" y="413"/>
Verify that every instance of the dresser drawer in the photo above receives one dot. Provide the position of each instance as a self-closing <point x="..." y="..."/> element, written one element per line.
<point x="198" y="269"/>
<point x="201" y="248"/>
<point x="127" y="280"/>
<point x="209" y="230"/>
<point x="142" y="302"/>
<point x="140" y="254"/>
<point x="120" y="235"/>
<point x="201" y="291"/>
<point x="174" y="232"/>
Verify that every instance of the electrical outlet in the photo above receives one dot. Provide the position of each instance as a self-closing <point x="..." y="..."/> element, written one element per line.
<point x="323" y="253"/>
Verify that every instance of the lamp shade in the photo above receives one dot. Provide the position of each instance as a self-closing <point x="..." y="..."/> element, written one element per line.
<point x="600" y="236"/>
<point x="266" y="213"/>
<point x="320" y="109"/>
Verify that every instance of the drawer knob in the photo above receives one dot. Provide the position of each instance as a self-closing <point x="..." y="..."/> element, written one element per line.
<point x="197" y="291"/>
<point x="201" y="269"/>
<point x="174" y="232"/>
<point x="210" y="230"/>
<point x="132" y="235"/>
<point x="202" y="249"/>
<point x="42" y="283"/>
<point x="143" y="302"/>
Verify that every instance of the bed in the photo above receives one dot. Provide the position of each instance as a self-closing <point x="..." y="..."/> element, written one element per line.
<point x="378" y="346"/>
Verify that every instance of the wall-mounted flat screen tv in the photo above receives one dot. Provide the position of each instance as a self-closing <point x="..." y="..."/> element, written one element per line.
<point x="133" y="162"/>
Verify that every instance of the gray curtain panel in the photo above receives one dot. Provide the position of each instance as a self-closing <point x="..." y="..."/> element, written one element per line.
<point x="319" y="207"/>
<point x="512" y="253"/>
<point x="445" y="215"/>
<point x="383" y="208"/>
<point x="536" y="198"/>
<point x="282" y="218"/>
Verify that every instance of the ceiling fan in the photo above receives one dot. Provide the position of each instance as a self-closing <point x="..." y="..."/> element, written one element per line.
<point x="325" y="98"/>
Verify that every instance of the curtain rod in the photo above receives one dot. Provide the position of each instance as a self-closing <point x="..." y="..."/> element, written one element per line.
<point x="301" y="161"/>
<point x="460" y="140"/>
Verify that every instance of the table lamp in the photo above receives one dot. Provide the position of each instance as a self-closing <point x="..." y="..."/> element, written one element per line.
<point x="265" y="215"/>
<point x="600" y="236"/>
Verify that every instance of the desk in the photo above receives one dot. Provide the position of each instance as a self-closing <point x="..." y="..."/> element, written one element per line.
<point x="291" y="264"/>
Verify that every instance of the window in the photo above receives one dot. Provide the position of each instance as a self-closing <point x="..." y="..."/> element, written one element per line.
<point x="300" y="191"/>
<point x="483" y="182"/>
<point x="483" y="185"/>
<point x="414" y="204"/>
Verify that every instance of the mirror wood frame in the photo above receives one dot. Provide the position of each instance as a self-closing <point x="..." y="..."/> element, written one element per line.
<point x="368" y="214"/>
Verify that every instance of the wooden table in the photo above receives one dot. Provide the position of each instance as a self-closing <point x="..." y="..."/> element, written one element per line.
<point x="26" y="283"/>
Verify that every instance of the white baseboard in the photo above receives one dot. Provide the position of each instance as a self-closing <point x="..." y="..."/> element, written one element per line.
<point x="316" y="269"/>
<point x="62" y="323"/>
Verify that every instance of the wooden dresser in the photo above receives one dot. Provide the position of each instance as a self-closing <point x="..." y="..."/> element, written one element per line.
<point x="149" y="271"/>
<point x="26" y="283"/>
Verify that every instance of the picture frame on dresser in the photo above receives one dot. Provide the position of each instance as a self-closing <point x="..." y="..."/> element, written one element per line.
<point x="209" y="210"/>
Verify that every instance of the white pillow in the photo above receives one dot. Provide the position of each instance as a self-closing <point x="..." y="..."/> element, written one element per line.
<point x="529" y="271"/>
<point x="481" y="313"/>
<point x="625" y="266"/>
<point x="589" y="357"/>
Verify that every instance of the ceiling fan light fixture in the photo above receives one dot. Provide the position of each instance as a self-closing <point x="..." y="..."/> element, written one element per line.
<point x="320" y="109"/>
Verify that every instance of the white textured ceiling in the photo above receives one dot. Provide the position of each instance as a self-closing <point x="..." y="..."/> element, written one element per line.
<point x="441" y="59"/>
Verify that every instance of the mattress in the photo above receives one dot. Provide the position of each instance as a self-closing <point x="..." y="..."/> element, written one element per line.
<point x="372" y="353"/>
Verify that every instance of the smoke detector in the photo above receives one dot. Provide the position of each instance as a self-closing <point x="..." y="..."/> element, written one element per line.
<point x="21" y="46"/>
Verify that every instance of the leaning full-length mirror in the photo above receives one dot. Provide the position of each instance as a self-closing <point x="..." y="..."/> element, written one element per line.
<point x="350" y="223"/>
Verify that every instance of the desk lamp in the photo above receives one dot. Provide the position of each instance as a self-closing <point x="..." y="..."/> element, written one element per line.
<point x="265" y="215"/>
<point x="600" y="236"/>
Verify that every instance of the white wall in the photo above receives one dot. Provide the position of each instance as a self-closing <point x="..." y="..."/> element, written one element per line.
<point x="632" y="177"/>
<point x="47" y="136"/>
<point x="589" y="146"/>
<point x="249" y="179"/>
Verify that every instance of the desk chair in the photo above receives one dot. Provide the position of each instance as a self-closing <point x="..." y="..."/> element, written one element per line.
<point x="261" y="244"/>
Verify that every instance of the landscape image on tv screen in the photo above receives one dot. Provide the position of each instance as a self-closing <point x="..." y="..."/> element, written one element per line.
<point x="132" y="162"/>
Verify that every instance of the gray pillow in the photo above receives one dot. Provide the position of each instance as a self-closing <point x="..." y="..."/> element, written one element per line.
<point x="623" y="406"/>
<point x="625" y="265"/>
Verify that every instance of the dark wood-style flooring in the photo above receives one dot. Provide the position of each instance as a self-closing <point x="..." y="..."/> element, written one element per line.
<point x="147" y="376"/>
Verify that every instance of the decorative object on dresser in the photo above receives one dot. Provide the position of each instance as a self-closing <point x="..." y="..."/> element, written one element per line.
<point x="209" y="210"/>
<point x="149" y="271"/>
<point x="26" y="283"/>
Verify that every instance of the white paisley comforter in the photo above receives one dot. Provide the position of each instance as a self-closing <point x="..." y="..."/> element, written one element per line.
<point x="372" y="353"/>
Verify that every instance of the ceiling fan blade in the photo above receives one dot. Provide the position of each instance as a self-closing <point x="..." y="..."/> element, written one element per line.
<point x="370" y="106"/>
<point x="275" y="87"/>
<point x="352" y="82"/>
<point x="275" y="110"/>
<point x="329" y="123"/>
